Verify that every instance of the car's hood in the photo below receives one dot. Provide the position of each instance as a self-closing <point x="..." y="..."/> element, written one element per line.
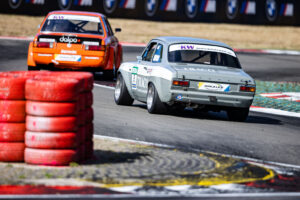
<point x="212" y="73"/>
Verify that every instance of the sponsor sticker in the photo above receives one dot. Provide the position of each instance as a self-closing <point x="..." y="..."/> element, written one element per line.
<point x="156" y="58"/>
<point x="179" y="97"/>
<point x="47" y="40"/>
<point x="199" y="47"/>
<point x="214" y="87"/>
<point x="134" y="77"/>
<point x="68" y="52"/>
<point x="74" y="17"/>
<point x="64" y="57"/>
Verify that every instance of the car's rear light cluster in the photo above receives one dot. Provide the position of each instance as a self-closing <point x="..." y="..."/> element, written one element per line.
<point x="247" y="89"/>
<point x="44" y="44"/>
<point x="181" y="83"/>
<point x="94" y="48"/>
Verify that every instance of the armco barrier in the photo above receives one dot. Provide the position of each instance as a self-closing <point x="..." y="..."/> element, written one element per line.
<point x="59" y="117"/>
<point x="271" y="12"/>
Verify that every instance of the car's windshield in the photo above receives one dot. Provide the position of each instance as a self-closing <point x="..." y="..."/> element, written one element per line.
<point x="73" y="24"/>
<point x="202" y="54"/>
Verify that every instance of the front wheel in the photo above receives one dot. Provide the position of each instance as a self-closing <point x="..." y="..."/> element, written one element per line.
<point x="238" y="114"/>
<point x="122" y="96"/>
<point x="154" y="104"/>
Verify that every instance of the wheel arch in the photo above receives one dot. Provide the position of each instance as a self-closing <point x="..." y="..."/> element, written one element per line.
<point x="161" y="86"/>
<point x="126" y="79"/>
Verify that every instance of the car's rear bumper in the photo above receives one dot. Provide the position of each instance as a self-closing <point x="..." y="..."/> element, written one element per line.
<point x="78" y="61"/>
<point x="241" y="100"/>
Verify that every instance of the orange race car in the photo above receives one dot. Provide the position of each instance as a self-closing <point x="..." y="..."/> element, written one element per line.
<point x="75" y="41"/>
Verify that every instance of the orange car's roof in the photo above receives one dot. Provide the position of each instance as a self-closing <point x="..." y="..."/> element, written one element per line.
<point x="70" y="12"/>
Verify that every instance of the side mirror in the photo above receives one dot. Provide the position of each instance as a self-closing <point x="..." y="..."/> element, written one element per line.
<point x="118" y="30"/>
<point x="139" y="58"/>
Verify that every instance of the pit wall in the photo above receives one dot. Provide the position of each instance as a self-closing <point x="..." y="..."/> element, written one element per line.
<point x="264" y="12"/>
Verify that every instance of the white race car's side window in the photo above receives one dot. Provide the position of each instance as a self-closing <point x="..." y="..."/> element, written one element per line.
<point x="148" y="54"/>
<point x="158" y="54"/>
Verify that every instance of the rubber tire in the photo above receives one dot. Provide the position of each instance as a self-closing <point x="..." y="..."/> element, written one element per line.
<point x="238" y="114"/>
<point x="86" y="77"/>
<point x="51" y="157"/>
<point x="51" y="124"/>
<point x="157" y="107"/>
<point x="89" y="115"/>
<point x="89" y="99"/>
<point x="89" y="150"/>
<point x="12" y="132"/>
<point x="51" y="109"/>
<point x="12" y="152"/>
<point x="12" y="87"/>
<point x="12" y="111"/>
<point x="89" y="132"/>
<point x="81" y="118"/>
<point x="81" y="134"/>
<point x="31" y="68"/>
<point x="124" y="97"/>
<point x="81" y="101"/>
<point x="109" y="74"/>
<point x="81" y="150"/>
<point x="44" y="140"/>
<point x="52" y="89"/>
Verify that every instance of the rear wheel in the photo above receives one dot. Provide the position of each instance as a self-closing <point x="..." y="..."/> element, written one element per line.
<point x="30" y="68"/>
<point x="122" y="96"/>
<point x="154" y="104"/>
<point x="238" y="114"/>
<point x="109" y="74"/>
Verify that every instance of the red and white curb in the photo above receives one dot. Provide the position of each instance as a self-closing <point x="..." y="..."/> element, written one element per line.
<point x="134" y="44"/>
<point x="290" y="96"/>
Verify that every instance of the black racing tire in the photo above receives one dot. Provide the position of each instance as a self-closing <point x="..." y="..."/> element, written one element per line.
<point x="238" y="114"/>
<point x="121" y="95"/>
<point x="109" y="74"/>
<point x="154" y="104"/>
<point x="30" y="68"/>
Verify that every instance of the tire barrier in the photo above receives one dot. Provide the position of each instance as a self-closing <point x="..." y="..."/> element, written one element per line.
<point x="12" y="116"/>
<point x="58" y="110"/>
<point x="271" y="12"/>
<point x="12" y="132"/>
<point x="52" y="157"/>
<point x="12" y="151"/>
<point x="12" y="111"/>
<point x="54" y="109"/>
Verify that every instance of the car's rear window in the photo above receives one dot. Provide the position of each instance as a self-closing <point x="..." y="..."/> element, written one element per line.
<point x="73" y="24"/>
<point x="202" y="54"/>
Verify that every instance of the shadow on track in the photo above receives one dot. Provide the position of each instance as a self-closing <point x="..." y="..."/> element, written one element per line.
<point x="220" y="116"/>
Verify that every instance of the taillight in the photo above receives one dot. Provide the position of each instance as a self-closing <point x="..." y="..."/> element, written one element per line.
<point x="44" y="44"/>
<point x="247" y="89"/>
<point x="94" y="48"/>
<point x="181" y="83"/>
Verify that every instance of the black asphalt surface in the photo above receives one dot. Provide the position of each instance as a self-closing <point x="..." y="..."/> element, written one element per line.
<point x="262" y="136"/>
